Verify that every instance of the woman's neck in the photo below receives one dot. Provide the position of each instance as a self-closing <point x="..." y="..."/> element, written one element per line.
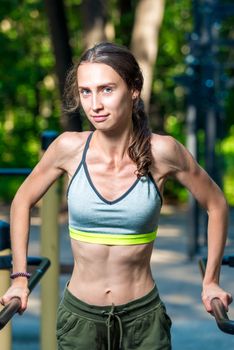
<point x="113" y="146"/>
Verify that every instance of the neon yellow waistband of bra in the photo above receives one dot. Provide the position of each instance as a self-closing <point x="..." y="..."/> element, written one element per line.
<point x="112" y="239"/>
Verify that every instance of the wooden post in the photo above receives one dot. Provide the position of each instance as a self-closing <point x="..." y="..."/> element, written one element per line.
<point x="50" y="249"/>
<point x="6" y="332"/>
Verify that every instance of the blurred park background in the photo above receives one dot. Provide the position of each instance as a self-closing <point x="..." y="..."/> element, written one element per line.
<point x="185" y="49"/>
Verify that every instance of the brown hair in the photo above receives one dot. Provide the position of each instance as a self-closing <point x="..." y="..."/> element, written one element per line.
<point x="124" y="63"/>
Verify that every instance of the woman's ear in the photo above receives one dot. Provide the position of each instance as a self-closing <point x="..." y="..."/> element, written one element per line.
<point x="135" y="94"/>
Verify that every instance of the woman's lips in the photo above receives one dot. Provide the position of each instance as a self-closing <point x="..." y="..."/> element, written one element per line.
<point x="99" y="118"/>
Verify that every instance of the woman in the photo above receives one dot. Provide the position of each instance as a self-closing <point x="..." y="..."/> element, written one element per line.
<point x="117" y="174"/>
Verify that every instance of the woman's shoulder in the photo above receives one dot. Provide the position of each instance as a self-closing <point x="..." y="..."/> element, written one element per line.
<point x="68" y="145"/>
<point x="164" y="145"/>
<point x="169" y="152"/>
<point x="71" y="137"/>
<point x="69" y="141"/>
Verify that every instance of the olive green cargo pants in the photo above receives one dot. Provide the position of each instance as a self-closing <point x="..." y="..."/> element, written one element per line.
<point x="141" y="324"/>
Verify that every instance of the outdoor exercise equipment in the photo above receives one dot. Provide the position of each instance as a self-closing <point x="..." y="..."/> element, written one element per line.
<point x="42" y="264"/>
<point x="49" y="232"/>
<point x="5" y="335"/>
<point x="13" y="306"/>
<point x="207" y="80"/>
<point x="224" y="323"/>
<point x="49" y="248"/>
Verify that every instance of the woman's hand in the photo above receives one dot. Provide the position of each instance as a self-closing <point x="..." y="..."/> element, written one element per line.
<point x="20" y="290"/>
<point x="213" y="290"/>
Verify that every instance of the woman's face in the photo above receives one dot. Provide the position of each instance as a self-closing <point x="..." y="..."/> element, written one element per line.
<point x="104" y="96"/>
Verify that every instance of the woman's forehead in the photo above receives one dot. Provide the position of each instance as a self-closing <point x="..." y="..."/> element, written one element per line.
<point x="90" y="73"/>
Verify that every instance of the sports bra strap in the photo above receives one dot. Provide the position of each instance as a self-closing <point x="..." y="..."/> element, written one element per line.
<point x="86" y="146"/>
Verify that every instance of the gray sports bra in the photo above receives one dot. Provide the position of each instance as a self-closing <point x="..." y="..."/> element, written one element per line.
<point x="130" y="219"/>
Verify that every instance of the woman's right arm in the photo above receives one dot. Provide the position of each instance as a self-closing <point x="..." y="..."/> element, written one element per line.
<point x="49" y="168"/>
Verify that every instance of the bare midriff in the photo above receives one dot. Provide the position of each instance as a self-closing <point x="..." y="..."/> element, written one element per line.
<point x="105" y="274"/>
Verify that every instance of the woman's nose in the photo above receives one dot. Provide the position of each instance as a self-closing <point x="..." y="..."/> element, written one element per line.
<point x="96" y="102"/>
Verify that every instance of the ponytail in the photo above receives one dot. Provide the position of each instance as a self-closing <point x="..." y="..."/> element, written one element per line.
<point x="140" y="148"/>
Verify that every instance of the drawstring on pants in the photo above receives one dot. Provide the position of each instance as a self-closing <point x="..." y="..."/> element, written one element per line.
<point x="111" y="316"/>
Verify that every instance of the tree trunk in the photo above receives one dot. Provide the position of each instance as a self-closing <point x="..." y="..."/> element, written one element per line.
<point x="94" y="15"/>
<point x="62" y="51"/>
<point x="144" y="45"/>
<point x="126" y="20"/>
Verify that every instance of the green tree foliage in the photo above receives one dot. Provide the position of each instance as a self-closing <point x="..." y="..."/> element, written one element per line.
<point x="168" y="111"/>
<point x="29" y="96"/>
<point x="167" y="97"/>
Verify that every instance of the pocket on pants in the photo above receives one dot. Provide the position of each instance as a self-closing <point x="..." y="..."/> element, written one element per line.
<point x="66" y="321"/>
<point x="151" y="331"/>
<point x="165" y="321"/>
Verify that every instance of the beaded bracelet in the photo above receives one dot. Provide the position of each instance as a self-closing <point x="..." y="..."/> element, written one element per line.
<point x="20" y="274"/>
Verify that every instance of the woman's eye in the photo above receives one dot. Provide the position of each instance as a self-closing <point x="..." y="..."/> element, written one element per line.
<point x="107" y="90"/>
<point x="85" y="92"/>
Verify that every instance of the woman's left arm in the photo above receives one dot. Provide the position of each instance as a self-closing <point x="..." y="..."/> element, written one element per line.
<point x="186" y="170"/>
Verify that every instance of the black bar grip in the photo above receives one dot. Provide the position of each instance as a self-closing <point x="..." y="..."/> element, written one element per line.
<point x="221" y="317"/>
<point x="13" y="306"/>
<point x="9" y="310"/>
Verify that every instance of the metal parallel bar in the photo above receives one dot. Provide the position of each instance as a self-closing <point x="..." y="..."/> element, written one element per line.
<point x="5" y="262"/>
<point x="202" y="266"/>
<point x="15" y="171"/>
<point x="38" y="273"/>
<point x="228" y="260"/>
<point x="10" y="309"/>
<point x="221" y="317"/>
<point x="224" y="323"/>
